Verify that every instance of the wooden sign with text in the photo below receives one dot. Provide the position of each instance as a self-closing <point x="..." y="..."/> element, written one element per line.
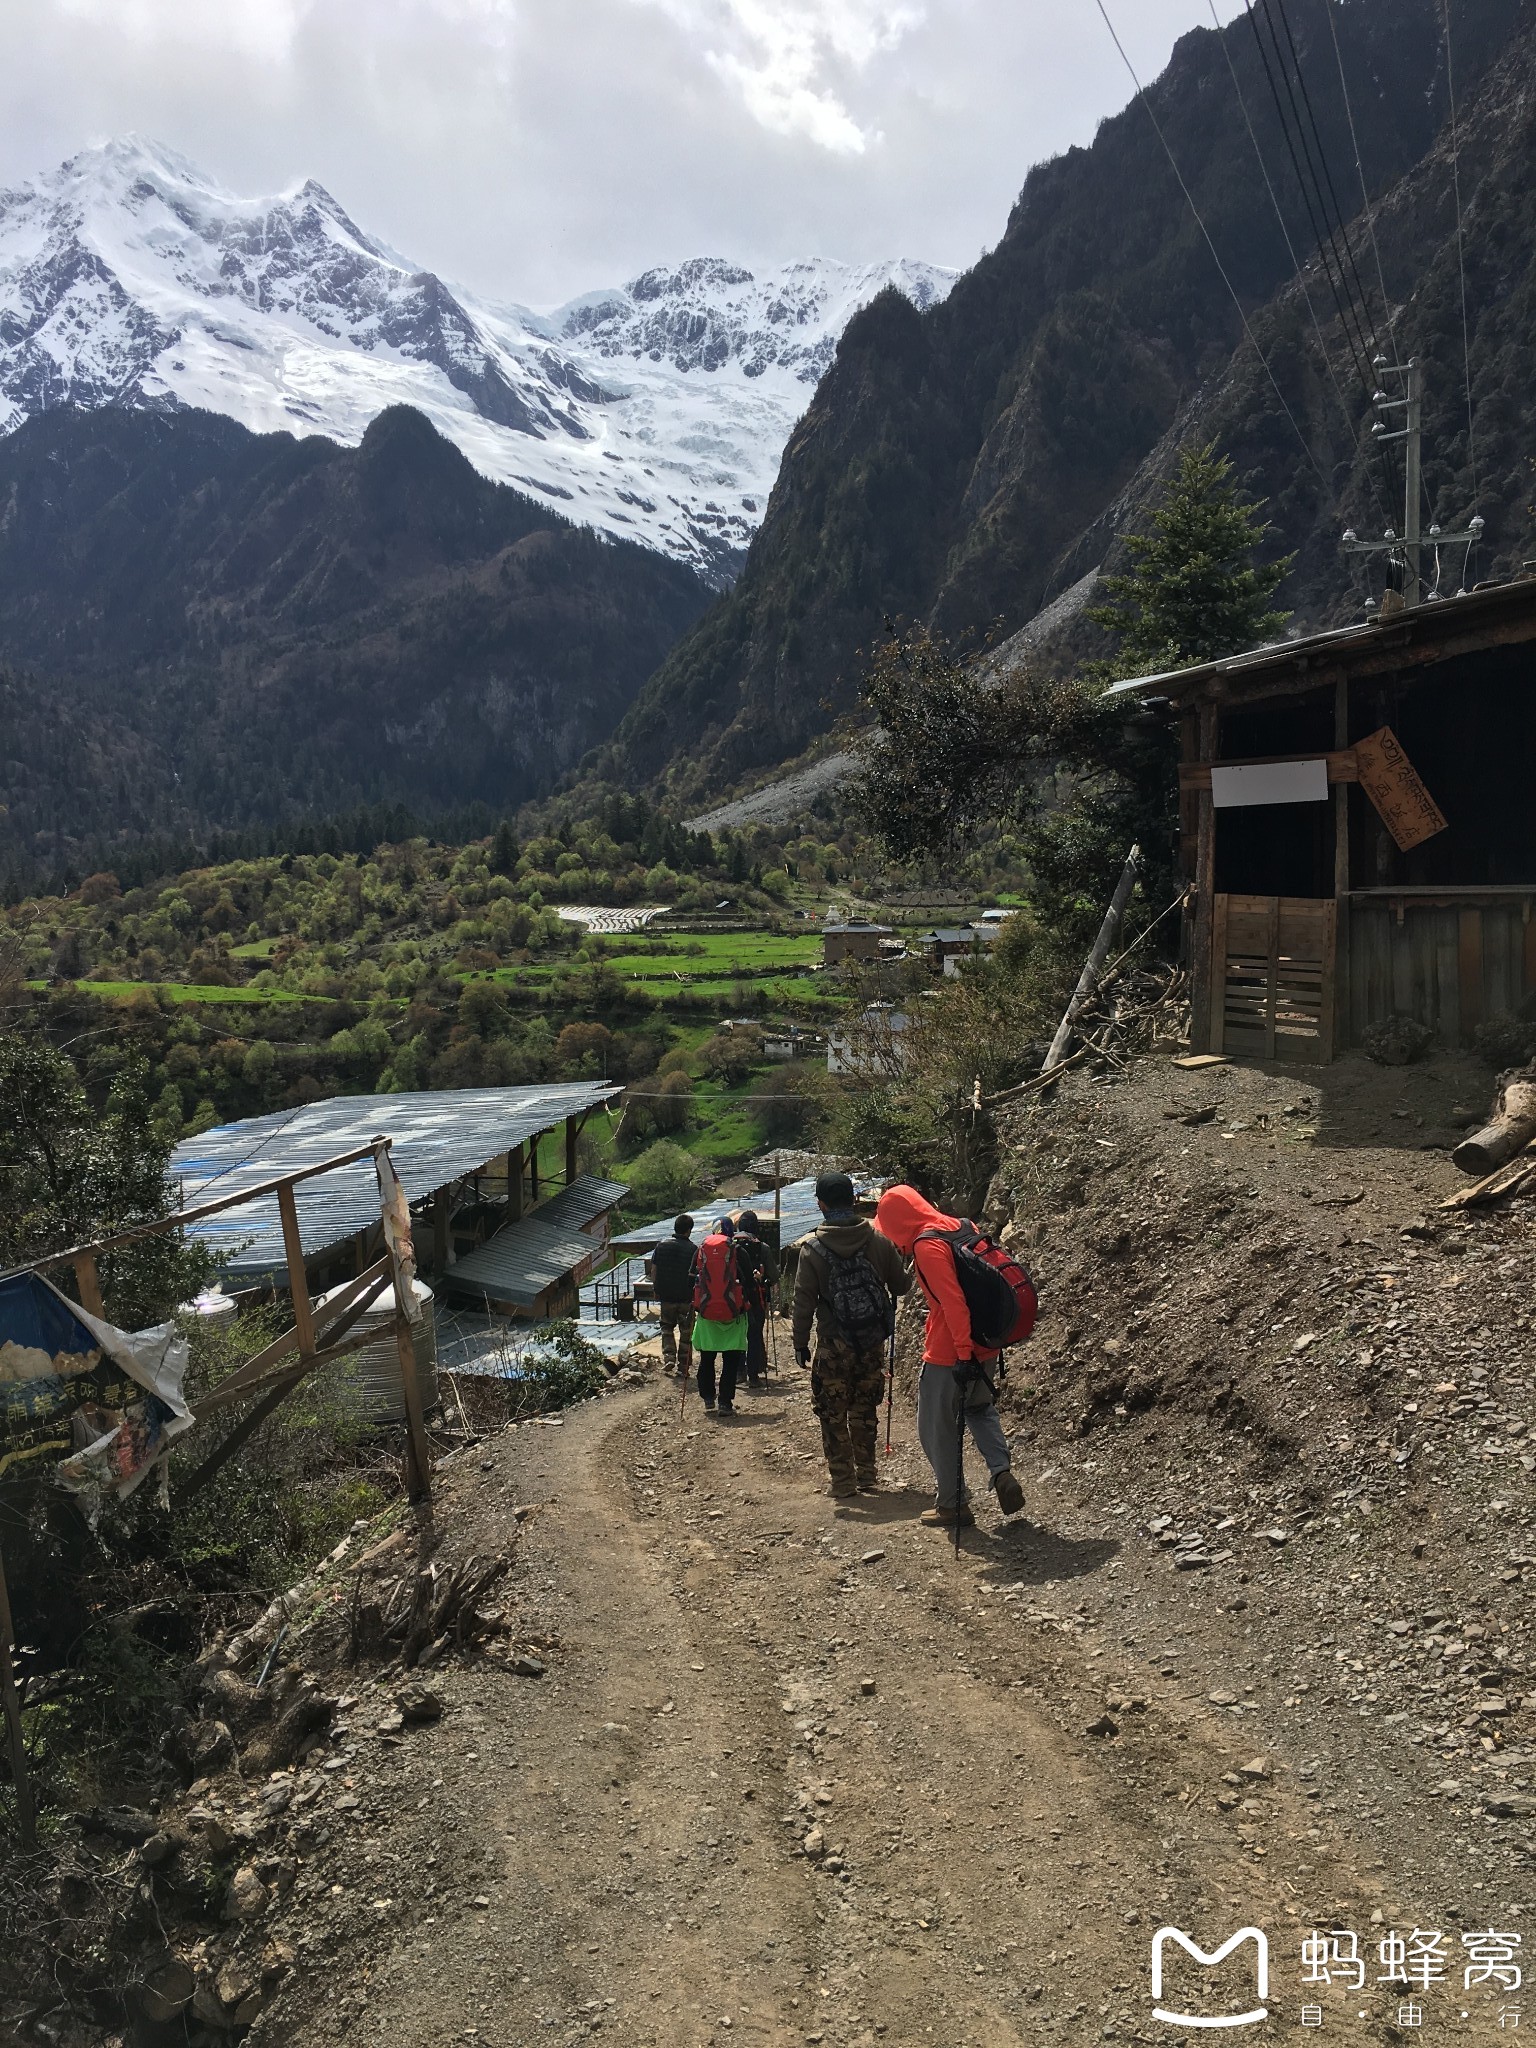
<point x="1391" y="782"/>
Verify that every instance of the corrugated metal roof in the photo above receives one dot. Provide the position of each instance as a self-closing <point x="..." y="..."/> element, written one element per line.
<point x="1440" y="618"/>
<point x="798" y="1213"/>
<point x="586" y="1199"/>
<point x="438" y="1138"/>
<point x="520" y="1262"/>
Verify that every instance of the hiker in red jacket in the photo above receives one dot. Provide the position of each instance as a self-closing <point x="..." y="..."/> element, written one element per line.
<point x="720" y="1318"/>
<point x="958" y="1382"/>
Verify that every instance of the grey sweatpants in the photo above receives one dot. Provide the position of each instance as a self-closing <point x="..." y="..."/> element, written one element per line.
<point x="938" y="1428"/>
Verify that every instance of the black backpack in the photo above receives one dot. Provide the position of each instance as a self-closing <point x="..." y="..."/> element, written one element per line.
<point x="859" y="1298"/>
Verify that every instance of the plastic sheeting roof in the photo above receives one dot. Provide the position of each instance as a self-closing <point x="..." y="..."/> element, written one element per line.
<point x="438" y="1138"/>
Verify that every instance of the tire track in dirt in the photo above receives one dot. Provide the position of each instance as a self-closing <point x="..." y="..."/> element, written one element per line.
<point x="634" y="1821"/>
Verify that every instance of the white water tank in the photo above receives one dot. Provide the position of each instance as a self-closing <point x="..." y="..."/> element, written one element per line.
<point x="371" y="1375"/>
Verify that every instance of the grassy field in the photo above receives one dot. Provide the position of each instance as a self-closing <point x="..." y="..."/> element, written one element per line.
<point x="715" y="953"/>
<point x="190" y="992"/>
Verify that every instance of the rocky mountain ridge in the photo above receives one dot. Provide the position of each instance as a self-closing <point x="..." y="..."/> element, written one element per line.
<point x="655" y="413"/>
<point x="967" y="465"/>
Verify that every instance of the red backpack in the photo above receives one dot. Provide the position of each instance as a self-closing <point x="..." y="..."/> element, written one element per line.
<point x="718" y="1295"/>
<point x="998" y="1292"/>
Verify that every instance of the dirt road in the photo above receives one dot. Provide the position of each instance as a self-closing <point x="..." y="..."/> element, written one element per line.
<point x="795" y="1772"/>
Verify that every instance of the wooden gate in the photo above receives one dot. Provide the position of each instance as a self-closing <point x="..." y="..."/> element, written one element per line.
<point x="1272" y="958"/>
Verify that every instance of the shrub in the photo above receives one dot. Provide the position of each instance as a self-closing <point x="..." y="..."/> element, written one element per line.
<point x="662" y="1178"/>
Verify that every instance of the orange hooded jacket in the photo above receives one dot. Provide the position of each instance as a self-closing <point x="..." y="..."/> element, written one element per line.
<point x="901" y="1214"/>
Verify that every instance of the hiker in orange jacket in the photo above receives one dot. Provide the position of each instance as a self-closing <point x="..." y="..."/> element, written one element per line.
<point x="957" y="1389"/>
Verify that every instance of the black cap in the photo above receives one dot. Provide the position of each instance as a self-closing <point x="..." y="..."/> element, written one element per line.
<point x="834" y="1190"/>
<point x="683" y="1227"/>
<point x="748" y="1222"/>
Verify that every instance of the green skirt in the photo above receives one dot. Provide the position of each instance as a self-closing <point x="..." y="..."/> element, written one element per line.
<point x="712" y="1336"/>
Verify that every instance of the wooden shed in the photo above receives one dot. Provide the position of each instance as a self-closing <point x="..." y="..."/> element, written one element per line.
<point x="1356" y="822"/>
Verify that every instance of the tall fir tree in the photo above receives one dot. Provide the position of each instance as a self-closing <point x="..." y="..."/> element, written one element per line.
<point x="1194" y="592"/>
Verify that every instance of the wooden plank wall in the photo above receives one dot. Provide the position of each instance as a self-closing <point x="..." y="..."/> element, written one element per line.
<point x="1451" y="967"/>
<point x="1273" y="959"/>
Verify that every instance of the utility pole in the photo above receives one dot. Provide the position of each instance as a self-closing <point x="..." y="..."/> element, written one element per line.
<point x="1409" y="549"/>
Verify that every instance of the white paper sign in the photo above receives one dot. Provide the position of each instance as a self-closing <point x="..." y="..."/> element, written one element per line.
<point x="1270" y="782"/>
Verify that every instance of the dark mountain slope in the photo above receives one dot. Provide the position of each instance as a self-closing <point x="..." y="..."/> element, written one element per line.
<point x="205" y="625"/>
<point x="954" y="461"/>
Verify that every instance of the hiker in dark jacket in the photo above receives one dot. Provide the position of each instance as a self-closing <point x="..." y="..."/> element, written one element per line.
<point x="759" y="1270"/>
<point x="672" y="1271"/>
<point x="845" y="1286"/>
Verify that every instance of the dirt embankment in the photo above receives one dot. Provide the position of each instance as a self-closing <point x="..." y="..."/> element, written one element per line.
<point x="745" y="1764"/>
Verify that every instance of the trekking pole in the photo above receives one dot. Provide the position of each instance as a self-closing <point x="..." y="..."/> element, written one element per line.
<point x="890" y="1386"/>
<point x="773" y="1335"/>
<point x="683" y="1398"/>
<point x="962" y="1381"/>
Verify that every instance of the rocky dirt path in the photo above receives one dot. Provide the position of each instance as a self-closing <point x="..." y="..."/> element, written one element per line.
<point x="792" y="1774"/>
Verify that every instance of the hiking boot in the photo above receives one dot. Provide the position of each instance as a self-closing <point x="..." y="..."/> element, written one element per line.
<point x="709" y="1407"/>
<point x="869" y="1482"/>
<point x="724" y="1412"/>
<point x="1010" y="1495"/>
<point x="945" y="1518"/>
<point x="843" y="1489"/>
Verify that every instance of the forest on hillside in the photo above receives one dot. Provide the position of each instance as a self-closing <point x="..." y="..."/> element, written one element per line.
<point x="207" y="629"/>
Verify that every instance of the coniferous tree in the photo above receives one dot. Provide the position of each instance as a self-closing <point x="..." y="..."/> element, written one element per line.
<point x="1194" y="592"/>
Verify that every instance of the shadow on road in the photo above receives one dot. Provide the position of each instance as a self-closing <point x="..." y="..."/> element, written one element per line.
<point x="1022" y="1552"/>
<point x="898" y="1504"/>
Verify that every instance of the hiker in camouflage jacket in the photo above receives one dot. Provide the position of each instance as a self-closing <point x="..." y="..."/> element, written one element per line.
<point x="848" y="1374"/>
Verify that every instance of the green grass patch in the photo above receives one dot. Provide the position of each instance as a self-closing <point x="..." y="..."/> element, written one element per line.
<point x="714" y="953"/>
<point x="188" y="992"/>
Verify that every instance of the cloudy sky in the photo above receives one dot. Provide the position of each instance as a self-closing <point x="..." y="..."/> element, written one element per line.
<point x="534" y="149"/>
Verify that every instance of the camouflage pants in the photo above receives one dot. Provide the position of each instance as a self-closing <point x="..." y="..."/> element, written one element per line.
<point x="847" y="1382"/>
<point x="676" y="1335"/>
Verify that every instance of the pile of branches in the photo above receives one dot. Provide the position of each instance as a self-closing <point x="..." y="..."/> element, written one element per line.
<point x="70" y="1921"/>
<point x="1131" y="1009"/>
<point x="419" y="1616"/>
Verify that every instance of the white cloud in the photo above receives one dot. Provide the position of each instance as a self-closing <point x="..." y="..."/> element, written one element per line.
<point x="534" y="149"/>
<point x="781" y="56"/>
<point x="261" y="30"/>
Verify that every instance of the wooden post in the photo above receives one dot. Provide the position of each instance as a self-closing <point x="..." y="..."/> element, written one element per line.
<point x="533" y="1165"/>
<point x="1201" y="990"/>
<point x="418" y="1464"/>
<point x="298" y="1278"/>
<point x="515" y="1184"/>
<point x="10" y="1703"/>
<point x="1093" y="966"/>
<point x="88" y="1282"/>
<point x="572" y="1126"/>
<point x="441" y="1206"/>
<point x="1340" y="1033"/>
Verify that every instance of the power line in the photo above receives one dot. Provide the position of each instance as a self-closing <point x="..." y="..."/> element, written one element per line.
<point x="1215" y="258"/>
<point x="1310" y="187"/>
<point x="1461" y="252"/>
<point x="1365" y="196"/>
<point x="1351" y="419"/>
<point x="1322" y="157"/>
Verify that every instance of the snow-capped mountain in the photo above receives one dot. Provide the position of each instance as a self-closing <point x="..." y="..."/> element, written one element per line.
<point x="657" y="412"/>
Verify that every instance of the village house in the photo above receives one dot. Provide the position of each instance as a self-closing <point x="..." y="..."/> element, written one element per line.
<point x="1356" y="827"/>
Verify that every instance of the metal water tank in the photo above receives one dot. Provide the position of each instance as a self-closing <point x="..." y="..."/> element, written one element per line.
<point x="371" y="1375"/>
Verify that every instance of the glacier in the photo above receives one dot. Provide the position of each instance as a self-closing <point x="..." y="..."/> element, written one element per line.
<point x="657" y="411"/>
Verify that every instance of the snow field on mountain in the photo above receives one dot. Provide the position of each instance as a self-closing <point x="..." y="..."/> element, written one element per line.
<point x="657" y="412"/>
